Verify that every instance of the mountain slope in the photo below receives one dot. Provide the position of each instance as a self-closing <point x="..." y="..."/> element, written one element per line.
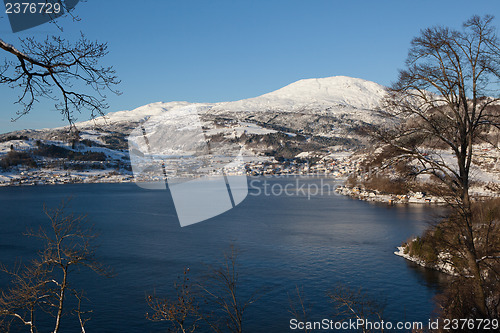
<point x="330" y="92"/>
<point x="338" y="95"/>
<point x="323" y="114"/>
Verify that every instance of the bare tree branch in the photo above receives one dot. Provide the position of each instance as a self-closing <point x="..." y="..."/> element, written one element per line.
<point x="53" y="69"/>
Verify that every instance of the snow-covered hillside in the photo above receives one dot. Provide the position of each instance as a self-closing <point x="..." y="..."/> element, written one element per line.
<point x="329" y="110"/>
<point x="304" y="122"/>
<point x="135" y="115"/>
<point x="336" y="93"/>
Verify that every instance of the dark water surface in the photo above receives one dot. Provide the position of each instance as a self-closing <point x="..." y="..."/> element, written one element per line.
<point x="284" y="241"/>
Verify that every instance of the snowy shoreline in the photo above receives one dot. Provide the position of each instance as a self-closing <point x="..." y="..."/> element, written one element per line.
<point x="410" y="198"/>
<point x="441" y="266"/>
<point x="376" y="196"/>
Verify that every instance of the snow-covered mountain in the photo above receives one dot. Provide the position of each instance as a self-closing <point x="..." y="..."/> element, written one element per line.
<point x="307" y="115"/>
<point x="338" y="95"/>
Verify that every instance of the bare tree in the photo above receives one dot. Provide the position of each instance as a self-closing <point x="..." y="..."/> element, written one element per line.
<point x="298" y="308"/>
<point x="66" y="72"/>
<point x="216" y="301"/>
<point x="355" y="304"/>
<point x="181" y="311"/>
<point x="42" y="286"/>
<point x="443" y="104"/>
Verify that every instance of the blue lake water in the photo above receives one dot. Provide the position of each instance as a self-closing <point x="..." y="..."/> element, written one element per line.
<point x="285" y="241"/>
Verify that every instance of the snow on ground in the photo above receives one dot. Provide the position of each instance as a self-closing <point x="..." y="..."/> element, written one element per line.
<point x="19" y="145"/>
<point x="340" y="91"/>
<point x="340" y="155"/>
<point x="478" y="173"/>
<point x="304" y="154"/>
<point x="93" y="135"/>
<point x="240" y="129"/>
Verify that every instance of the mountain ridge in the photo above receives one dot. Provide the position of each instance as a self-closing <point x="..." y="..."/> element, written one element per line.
<point x="309" y="115"/>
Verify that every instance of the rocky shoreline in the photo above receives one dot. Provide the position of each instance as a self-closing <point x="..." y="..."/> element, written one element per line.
<point x="376" y="196"/>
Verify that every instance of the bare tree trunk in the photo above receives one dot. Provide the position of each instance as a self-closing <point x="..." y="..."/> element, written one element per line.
<point x="471" y="256"/>
<point x="32" y="321"/>
<point x="479" y="295"/>
<point x="61" y="300"/>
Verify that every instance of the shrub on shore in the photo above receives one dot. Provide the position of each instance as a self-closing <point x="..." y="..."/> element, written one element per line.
<point x="441" y="245"/>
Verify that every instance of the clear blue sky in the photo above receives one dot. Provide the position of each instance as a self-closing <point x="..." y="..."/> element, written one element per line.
<point x="212" y="51"/>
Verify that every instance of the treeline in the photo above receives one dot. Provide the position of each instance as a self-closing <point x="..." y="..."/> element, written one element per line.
<point x="15" y="158"/>
<point x="13" y="137"/>
<point x="285" y="147"/>
<point x="53" y="151"/>
<point x="29" y="158"/>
